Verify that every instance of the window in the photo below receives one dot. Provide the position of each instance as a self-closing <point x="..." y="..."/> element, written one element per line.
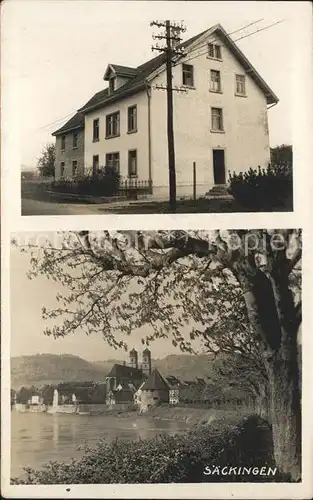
<point x="95" y="164"/>
<point x="240" y="85"/>
<point x="74" y="168"/>
<point x="62" y="169"/>
<point x="96" y="129"/>
<point x="215" y="51"/>
<point x="113" y="160"/>
<point x="188" y="79"/>
<point x="112" y="84"/>
<point x="75" y="139"/>
<point x="132" y="163"/>
<point x="63" y="143"/>
<point x="113" y="125"/>
<point x="132" y="119"/>
<point x="215" y="85"/>
<point x="217" y="119"/>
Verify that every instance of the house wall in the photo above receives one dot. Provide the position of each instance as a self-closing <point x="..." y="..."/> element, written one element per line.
<point x="69" y="154"/>
<point x="246" y="139"/>
<point x="124" y="142"/>
<point x="150" y="398"/>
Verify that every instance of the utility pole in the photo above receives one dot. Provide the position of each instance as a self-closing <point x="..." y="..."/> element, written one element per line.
<point x="171" y="35"/>
<point x="170" y="125"/>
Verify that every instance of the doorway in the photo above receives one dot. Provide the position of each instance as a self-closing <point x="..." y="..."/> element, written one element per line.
<point x="219" y="166"/>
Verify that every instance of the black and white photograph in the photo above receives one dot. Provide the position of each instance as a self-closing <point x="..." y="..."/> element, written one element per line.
<point x="156" y="249"/>
<point x="130" y="114"/>
<point x="156" y="357"/>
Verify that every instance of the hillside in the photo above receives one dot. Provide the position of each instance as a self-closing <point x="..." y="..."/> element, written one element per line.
<point x="41" y="369"/>
<point x="185" y="366"/>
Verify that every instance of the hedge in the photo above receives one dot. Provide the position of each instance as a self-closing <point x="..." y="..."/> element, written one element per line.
<point x="180" y="458"/>
<point x="265" y="189"/>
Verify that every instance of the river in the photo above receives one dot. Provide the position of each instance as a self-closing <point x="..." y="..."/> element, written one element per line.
<point x="39" y="437"/>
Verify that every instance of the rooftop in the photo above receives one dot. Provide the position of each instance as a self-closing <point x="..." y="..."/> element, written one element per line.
<point x="77" y="121"/>
<point x="139" y="75"/>
<point x="124" y="371"/>
<point x="155" y="381"/>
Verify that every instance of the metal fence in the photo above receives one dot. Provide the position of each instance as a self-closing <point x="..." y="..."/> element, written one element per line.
<point x="132" y="188"/>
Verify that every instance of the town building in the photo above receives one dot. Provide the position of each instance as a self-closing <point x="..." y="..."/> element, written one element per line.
<point x="174" y="389"/>
<point x="69" y="148"/>
<point x="220" y="120"/>
<point x="122" y="399"/>
<point x="154" y="391"/>
<point x="127" y="378"/>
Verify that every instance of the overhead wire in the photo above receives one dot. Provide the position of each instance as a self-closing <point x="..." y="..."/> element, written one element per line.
<point x="236" y="40"/>
<point x="230" y="33"/>
<point x="189" y="58"/>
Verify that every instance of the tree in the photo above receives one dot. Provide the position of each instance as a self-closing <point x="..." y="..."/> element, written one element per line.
<point x="24" y="395"/>
<point x="282" y="155"/>
<point x="47" y="393"/>
<point x="46" y="162"/>
<point x="116" y="282"/>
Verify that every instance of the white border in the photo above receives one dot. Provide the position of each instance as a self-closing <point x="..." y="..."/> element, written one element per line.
<point x="302" y="217"/>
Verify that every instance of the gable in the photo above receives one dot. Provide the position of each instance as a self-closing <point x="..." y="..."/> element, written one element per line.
<point x="218" y="35"/>
<point x="146" y="72"/>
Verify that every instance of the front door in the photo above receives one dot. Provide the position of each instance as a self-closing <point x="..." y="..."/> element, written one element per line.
<point x="219" y="166"/>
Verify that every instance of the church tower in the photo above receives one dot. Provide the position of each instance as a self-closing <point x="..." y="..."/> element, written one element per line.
<point x="146" y="362"/>
<point x="133" y="358"/>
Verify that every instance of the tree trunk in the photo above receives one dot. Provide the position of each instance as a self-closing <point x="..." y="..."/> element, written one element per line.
<point x="262" y="404"/>
<point x="285" y="411"/>
<point x="273" y="318"/>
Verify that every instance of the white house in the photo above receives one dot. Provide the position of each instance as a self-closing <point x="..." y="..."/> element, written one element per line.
<point x="220" y="123"/>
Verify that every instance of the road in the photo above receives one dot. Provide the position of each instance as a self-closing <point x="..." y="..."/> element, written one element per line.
<point x="35" y="207"/>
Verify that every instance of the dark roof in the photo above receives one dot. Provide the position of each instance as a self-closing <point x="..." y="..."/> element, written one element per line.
<point x="99" y="96"/>
<point x="77" y="121"/>
<point x="123" y="396"/>
<point x="124" y="70"/>
<point x="124" y="371"/>
<point x="173" y="382"/>
<point x="155" y="381"/>
<point x="137" y="82"/>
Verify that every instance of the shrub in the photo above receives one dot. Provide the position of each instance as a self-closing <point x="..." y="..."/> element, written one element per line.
<point x="104" y="183"/>
<point x="263" y="188"/>
<point x="165" y="459"/>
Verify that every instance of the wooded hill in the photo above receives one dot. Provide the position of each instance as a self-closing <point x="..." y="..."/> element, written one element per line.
<point x="41" y="369"/>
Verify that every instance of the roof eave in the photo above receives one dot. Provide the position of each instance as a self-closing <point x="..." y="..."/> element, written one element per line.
<point x="121" y="95"/>
<point x="65" y="131"/>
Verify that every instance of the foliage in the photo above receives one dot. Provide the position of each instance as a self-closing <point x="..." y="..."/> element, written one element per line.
<point x="164" y="459"/>
<point x="29" y="175"/>
<point x="282" y="155"/>
<point x="25" y="393"/>
<point x="104" y="183"/>
<point x="178" y="283"/>
<point x="46" y="162"/>
<point x="263" y="189"/>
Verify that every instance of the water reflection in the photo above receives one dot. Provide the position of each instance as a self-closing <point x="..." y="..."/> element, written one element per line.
<point x="39" y="437"/>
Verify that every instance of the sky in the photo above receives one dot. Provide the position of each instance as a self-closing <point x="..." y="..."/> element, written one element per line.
<point x="56" y="53"/>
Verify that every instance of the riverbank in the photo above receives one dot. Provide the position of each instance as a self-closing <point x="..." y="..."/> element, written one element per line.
<point x="196" y="416"/>
<point x="171" y="458"/>
<point x="189" y="415"/>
